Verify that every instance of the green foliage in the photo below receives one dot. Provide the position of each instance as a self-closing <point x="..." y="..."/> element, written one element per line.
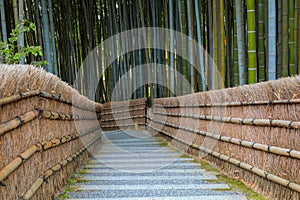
<point x="9" y="50"/>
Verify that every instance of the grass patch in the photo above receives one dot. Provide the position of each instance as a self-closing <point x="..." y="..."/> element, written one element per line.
<point x="82" y="172"/>
<point x="69" y="188"/>
<point x="235" y="185"/>
<point x="184" y="156"/>
<point x="162" y="142"/>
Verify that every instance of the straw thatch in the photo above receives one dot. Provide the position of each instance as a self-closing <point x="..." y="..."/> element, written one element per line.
<point x="123" y="115"/>
<point x="250" y="132"/>
<point x="38" y="113"/>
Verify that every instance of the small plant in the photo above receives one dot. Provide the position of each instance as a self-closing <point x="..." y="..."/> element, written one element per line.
<point x="10" y="52"/>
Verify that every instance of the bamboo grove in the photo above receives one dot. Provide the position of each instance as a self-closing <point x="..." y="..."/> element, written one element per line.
<point x="249" y="41"/>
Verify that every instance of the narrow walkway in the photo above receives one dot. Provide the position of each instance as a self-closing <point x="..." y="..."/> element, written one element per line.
<point x="131" y="165"/>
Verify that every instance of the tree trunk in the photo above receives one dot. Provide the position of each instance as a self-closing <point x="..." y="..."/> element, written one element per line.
<point x="241" y="40"/>
<point x="55" y="70"/>
<point x="252" y="71"/>
<point x="285" y="38"/>
<point x="291" y="38"/>
<point x="46" y="36"/>
<point x="3" y="21"/>
<point x="201" y="57"/>
<point x="261" y="41"/>
<point x="272" y="40"/>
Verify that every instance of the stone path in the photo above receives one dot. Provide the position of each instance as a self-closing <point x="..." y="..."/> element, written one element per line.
<point x="133" y="166"/>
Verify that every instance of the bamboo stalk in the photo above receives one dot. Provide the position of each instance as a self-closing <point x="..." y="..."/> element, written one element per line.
<point x="14" y="98"/>
<point x="121" y="111"/>
<point x="120" y="125"/>
<point x="123" y="118"/>
<point x="18" y="121"/>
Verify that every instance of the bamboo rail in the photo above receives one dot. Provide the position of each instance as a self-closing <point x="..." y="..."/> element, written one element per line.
<point x="242" y="165"/>
<point x="40" y="146"/>
<point x="254" y="145"/>
<point x="14" y="98"/>
<point x="243" y="121"/>
<point x="18" y="121"/>
<point x="51" y="171"/>
<point x="47" y="114"/>
<point x="20" y="96"/>
<point x="233" y="104"/>
<point x="123" y="118"/>
<point x="112" y="107"/>
<point x="122" y="111"/>
<point x="121" y="125"/>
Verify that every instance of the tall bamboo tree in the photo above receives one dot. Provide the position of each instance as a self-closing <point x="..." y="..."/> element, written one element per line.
<point x="252" y="71"/>
<point x="201" y="57"/>
<point x="241" y="40"/>
<point x="272" y="40"/>
<point x="291" y="38"/>
<point x="235" y="47"/>
<point x="222" y="65"/>
<point x="53" y="43"/>
<point x="3" y="21"/>
<point x="47" y="43"/>
<point x="172" y="68"/>
<point x="190" y="48"/>
<point x="261" y="41"/>
<point x="285" y="38"/>
<point x="297" y="35"/>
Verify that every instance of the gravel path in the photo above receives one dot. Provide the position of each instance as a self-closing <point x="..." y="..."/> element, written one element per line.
<point x="133" y="166"/>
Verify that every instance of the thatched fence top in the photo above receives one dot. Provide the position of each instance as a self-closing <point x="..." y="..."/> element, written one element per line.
<point x="251" y="132"/>
<point x="47" y="131"/>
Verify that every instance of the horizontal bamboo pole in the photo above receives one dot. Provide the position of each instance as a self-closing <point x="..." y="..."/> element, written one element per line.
<point x="244" y="121"/>
<point x="112" y="107"/>
<point x="20" y="95"/>
<point x="120" y="125"/>
<point x="123" y="118"/>
<point x="259" y="172"/>
<point x="121" y="111"/>
<point x="41" y="146"/>
<point x="68" y="102"/>
<point x="14" y="98"/>
<point x="51" y="171"/>
<point x="46" y="114"/>
<point x="263" y="147"/>
<point x="18" y="121"/>
<point x="232" y="104"/>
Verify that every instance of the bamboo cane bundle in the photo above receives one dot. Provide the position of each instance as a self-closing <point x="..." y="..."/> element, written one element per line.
<point x="18" y="121"/>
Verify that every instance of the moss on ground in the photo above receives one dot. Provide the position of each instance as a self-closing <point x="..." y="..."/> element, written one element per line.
<point x="235" y="184"/>
<point x="69" y="188"/>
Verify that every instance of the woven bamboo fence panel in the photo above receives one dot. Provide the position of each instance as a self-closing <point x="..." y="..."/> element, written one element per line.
<point x="251" y="133"/>
<point x="47" y="131"/>
<point x="123" y="115"/>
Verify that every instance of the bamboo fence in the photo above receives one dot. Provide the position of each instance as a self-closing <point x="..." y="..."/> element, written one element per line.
<point x="249" y="132"/>
<point x="47" y="131"/>
<point x="123" y="115"/>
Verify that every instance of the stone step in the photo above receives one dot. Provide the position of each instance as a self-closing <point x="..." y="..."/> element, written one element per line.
<point x="131" y="168"/>
<point x="169" y="172"/>
<point x="147" y="177"/>
<point x="141" y="160"/>
<point x="204" y="186"/>
<point x="158" y="194"/>
<point x="206" y="197"/>
<point x="165" y="165"/>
